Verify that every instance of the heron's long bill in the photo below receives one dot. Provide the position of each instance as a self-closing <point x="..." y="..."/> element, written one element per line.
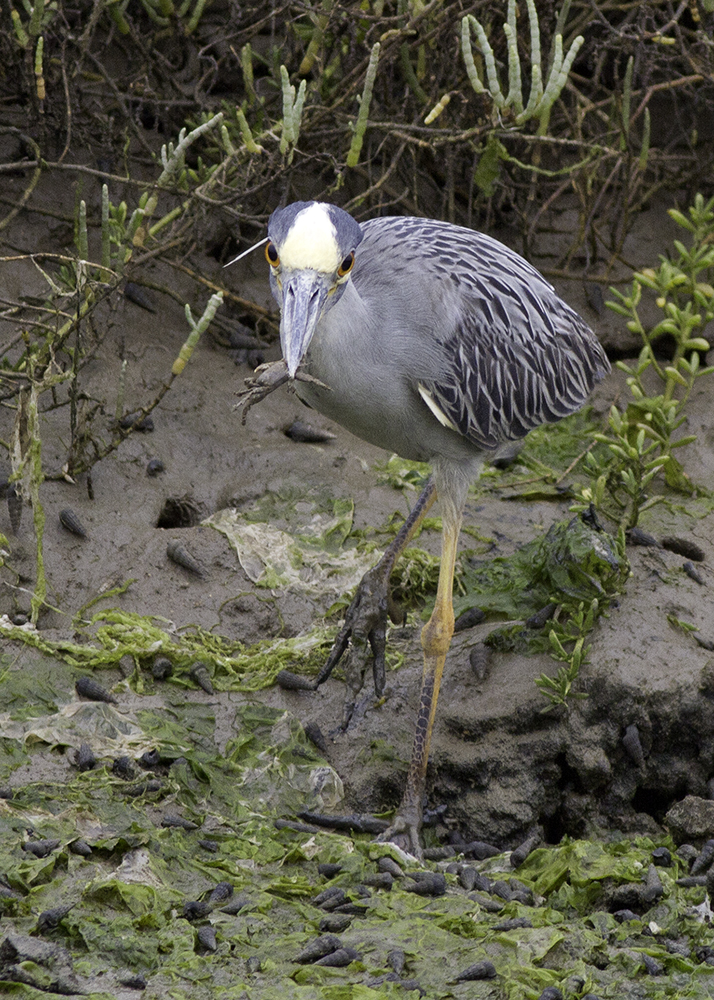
<point x="304" y="295"/>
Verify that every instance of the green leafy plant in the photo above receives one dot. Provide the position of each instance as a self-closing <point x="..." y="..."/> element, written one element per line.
<point x="567" y="642"/>
<point x="642" y="440"/>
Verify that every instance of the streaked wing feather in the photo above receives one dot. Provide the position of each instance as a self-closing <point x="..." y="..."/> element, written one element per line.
<point x="520" y="356"/>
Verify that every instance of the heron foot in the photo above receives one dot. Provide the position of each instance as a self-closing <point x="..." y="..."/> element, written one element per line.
<point x="404" y="831"/>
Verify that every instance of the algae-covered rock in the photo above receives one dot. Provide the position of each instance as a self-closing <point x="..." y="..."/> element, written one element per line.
<point x="691" y="819"/>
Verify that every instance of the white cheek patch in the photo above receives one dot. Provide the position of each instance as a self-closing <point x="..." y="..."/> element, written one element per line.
<point x="311" y="242"/>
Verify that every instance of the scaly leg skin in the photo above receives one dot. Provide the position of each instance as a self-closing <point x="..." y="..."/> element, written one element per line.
<point x="365" y="626"/>
<point x="435" y="639"/>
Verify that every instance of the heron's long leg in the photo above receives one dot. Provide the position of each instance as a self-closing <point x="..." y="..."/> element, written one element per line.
<point x="372" y="597"/>
<point x="435" y="639"/>
<point x="366" y="618"/>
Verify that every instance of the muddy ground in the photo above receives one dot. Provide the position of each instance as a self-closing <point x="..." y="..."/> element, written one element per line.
<point x="499" y="765"/>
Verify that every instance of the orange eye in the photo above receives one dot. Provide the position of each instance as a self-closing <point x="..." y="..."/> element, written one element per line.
<point x="271" y="255"/>
<point x="346" y="265"/>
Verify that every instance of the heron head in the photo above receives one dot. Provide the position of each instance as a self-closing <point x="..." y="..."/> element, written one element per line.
<point x="311" y="249"/>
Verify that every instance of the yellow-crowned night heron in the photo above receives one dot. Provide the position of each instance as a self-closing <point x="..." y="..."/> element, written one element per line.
<point x="440" y="344"/>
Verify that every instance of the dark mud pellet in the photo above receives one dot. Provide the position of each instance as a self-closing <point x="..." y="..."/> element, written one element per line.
<point x="196" y="909"/>
<point x="133" y="982"/>
<point x="162" y="668"/>
<point x="653" y="885"/>
<point x="333" y="892"/>
<point x="139" y="296"/>
<point x="470" y="618"/>
<point x="636" y="536"/>
<point x="123" y="768"/>
<point x="687" y="852"/>
<point x="693" y="573"/>
<point x="551" y="993"/>
<point x="512" y="925"/>
<point x="318" y="948"/>
<point x="289" y="681"/>
<point x="291" y="824"/>
<point x="69" y="520"/>
<point x="594" y="297"/>
<point x="85" y="759"/>
<point x="387" y="864"/>
<point x="677" y="947"/>
<point x="6" y="793"/>
<point x="48" y="920"/>
<point x="220" y="893"/>
<point x="180" y="555"/>
<point x="351" y="909"/>
<point x="502" y="889"/>
<point x="382" y="880"/>
<point x="154" y="466"/>
<point x="439" y="853"/>
<point x="427" y="884"/>
<point x="652" y="966"/>
<point x="621" y="916"/>
<point x="662" y="857"/>
<point x="453" y="868"/>
<point x="199" y="673"/>
<point x="144" y="425"/>
<point x="150" y="759"/>
<point x="467" y="878"/>
<point x="690" y="881"/>
<point x="316" y="737"/>
<point x="482" y="883"/>
<point x="704" y="859"/>
<point x="683" y="547"/>
<point x="41" y="848"/>
<point x="523" y="850"/>
<point x="172" y="820"/>
<point x="300" y="431"/>
<point x="396" y="960"/>
<point x="710" y="883"/>
<point x="209" y="845"/>
<point x="479" y="851"/>
<point x="540" y="618"/>
<point x="480" y="661"/>
<point x="479" y="970"/>
<point x="87" y="687"/>
<point x="339" y="959"/>
<point x="14" y="507"/>
<point x="206" y="938"/>
<point x="631" y="743"/>
<point x="20" y="619"/>
<point x="143" y="788"/>
<point x="704" y="643"/>
<point x="253" y="965"/>
<point x="357" y="823"/>
<point x="329" y="870"/>
<point x="335" y="923"/>
<point x="80" y="847"/>
<point x="236" y="905"/>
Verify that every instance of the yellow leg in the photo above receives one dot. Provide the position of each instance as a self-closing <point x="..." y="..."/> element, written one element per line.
<point x="435" y="639"/>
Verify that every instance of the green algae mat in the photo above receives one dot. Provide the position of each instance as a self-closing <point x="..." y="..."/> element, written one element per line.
<point x="165" y="868"/>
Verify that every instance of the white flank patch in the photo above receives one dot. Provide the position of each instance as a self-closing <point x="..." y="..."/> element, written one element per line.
<point x="433" y="406"/>
<point x="311" y="242"/>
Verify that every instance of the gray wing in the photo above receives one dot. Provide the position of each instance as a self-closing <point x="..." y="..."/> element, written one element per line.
<point x="519" y="356"/>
